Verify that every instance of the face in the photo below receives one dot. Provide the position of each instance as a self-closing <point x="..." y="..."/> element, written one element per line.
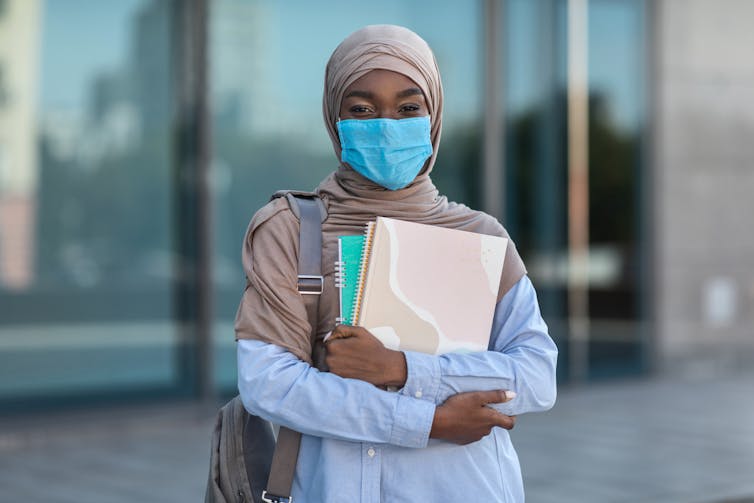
<point x="382" y="94"/>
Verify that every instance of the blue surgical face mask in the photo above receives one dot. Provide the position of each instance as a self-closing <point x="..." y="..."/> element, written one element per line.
<point x="389" y="152"/>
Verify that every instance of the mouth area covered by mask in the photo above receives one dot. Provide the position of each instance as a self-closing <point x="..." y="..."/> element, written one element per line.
<point x="389" y="152"/>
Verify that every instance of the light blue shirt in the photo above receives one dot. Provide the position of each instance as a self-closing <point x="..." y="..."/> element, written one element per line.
<point x="363" y="444"/>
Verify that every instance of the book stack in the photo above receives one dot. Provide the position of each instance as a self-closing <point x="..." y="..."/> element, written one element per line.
<point x="420" y="287"/>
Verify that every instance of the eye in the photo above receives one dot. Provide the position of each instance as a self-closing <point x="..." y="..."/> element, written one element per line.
<point x="360" y="110"/>
<point x="410" y="109"/>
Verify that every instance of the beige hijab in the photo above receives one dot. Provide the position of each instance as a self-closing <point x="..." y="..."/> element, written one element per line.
<point x="271" y="309"/>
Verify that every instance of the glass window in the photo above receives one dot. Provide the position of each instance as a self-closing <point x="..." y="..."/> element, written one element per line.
<point x="537" y="170"/>
<point x="268" y="69"/>
<point x="86" y="267"/>
<point x="536" y="155"/>
<point x="616" y="118"/>
<point x="91" y="300"/>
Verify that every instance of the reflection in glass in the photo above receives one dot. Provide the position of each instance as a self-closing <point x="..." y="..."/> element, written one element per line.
<point x="537" y="173"/>
<point x="616" y="81"/>
<point x="85" y="234"/>
<point x="88" y="182"/>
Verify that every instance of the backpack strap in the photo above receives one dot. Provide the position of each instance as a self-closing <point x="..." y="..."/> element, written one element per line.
<point x="311" y="212"/>
<point x="309" y="209"/>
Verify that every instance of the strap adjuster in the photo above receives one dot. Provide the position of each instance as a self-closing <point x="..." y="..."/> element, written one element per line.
<point x="310" y="285"/>
<point x="271" y="498"/>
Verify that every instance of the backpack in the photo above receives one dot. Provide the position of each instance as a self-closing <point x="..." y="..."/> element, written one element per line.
<point x="247" y="462"/>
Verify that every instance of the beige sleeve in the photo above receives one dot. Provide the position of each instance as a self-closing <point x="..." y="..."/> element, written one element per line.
<point x="513" y="269"/>
<point x="271" y="309"/>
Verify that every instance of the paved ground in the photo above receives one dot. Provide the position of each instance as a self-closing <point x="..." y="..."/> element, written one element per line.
<point x="645" y="441"/>
<point x="689" y="441"/>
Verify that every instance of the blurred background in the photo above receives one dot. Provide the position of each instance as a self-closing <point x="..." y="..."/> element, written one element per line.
<point x="613" y="138"/>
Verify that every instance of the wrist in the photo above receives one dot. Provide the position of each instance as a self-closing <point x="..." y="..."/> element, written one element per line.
<point x="436" y="430"/>
<point x="397" y="371"/>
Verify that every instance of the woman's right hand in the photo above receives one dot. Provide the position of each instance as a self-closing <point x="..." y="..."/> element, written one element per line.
<point x="465" y="418"/>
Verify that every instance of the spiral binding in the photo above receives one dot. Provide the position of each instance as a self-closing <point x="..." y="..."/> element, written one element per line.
<point x="366" y="252"/>
<point x="340" y="274"/>
<point x="340" y="283"/>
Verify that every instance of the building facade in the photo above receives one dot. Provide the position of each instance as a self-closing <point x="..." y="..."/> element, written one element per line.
<point x="629" y="108"/>
<point x="703" y="160"/>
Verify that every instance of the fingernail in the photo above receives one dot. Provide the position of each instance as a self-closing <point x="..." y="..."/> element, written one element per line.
<point x="510" y="395"/>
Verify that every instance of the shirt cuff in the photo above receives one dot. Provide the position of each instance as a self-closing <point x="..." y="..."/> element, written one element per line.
<point x="423" y="376"/>
<point x="412" y="422"/>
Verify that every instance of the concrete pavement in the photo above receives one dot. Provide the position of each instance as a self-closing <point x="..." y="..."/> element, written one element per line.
<point x="648" y="440"/>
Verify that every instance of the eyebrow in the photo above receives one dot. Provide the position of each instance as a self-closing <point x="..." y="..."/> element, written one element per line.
<point x="411" y="91"/>
<point x="360" y="94"/>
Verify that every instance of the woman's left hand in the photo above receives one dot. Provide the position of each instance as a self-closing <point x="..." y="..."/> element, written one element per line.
<point x="355" y="353"/>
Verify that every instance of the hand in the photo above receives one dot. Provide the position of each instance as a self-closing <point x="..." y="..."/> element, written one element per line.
<point x="465" y="417"/>
<point x="354" y="352"/>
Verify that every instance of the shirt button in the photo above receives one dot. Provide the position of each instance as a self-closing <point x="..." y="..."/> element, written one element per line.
<point x="418" y="394"/>
<point x="371" y="452"/>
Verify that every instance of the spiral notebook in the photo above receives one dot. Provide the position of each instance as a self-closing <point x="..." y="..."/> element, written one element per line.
<point x="350" y="249"/>
<point x="419" y="287"/>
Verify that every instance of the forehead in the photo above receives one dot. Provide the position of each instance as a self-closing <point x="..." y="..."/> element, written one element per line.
<point x="381" y="81"/>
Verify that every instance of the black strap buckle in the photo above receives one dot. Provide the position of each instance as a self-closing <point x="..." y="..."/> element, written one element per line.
<point x="310" y="285"/>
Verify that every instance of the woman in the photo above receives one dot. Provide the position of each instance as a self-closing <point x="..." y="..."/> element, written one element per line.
<point x="436" y="438"/>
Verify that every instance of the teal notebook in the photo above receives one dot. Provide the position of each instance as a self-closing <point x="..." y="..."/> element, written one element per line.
<point x="347" y="274"/>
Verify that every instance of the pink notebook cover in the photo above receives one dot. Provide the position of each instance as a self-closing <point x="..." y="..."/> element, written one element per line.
<point x="431" y="289"/>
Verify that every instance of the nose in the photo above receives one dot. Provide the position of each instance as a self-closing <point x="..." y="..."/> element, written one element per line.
<point x="387" y="114"/>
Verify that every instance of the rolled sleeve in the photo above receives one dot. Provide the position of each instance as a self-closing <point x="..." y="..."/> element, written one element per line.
<point x="412" y="422"/>
<point x="423" y="376"/>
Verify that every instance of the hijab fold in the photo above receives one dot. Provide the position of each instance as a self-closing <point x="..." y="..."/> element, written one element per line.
<point x="271" y="309"/>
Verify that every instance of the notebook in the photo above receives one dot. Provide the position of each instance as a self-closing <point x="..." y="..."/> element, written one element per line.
<point x="421" y="287"/>
<point x="350" y="249"/>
